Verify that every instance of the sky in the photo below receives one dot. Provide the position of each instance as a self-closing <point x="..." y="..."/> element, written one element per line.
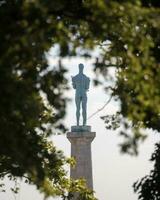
<point x="113" y="172"/>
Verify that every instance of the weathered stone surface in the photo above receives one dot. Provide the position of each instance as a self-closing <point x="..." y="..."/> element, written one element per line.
<point x="81" y="151"/>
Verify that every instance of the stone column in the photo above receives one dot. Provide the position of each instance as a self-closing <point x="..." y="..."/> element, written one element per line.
<point x="81" y="138"/>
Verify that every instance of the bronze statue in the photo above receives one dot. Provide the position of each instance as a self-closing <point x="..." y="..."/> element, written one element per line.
<point x="81" y="83"/>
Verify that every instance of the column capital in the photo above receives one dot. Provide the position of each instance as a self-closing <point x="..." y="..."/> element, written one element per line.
<point x="81" y="136"/>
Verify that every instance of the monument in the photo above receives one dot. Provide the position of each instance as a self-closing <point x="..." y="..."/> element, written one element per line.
<point x="80" y="83"/>
<point x="81" y="136"/>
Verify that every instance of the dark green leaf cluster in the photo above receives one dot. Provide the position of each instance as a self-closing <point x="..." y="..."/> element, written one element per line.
<point x="132" y="31"/>
<point x="112" y="122"/>
<point x="27" y="30"/>
<point x="32" y="103"/>
<point x="148" y="187"/>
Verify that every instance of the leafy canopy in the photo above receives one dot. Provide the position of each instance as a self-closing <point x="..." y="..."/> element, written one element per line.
<point x="129" y="37"/>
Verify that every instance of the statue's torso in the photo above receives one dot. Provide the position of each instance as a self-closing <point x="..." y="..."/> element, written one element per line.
<point x="81" y="84"/>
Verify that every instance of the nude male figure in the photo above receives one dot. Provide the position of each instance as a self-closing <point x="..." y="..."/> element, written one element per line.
<point x="81" y="83"/>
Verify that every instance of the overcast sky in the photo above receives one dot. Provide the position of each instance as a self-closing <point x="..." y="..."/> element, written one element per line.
<point x="113" y="173"/>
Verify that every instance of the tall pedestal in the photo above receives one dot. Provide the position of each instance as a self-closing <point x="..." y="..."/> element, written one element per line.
<point x="81" y="139"/>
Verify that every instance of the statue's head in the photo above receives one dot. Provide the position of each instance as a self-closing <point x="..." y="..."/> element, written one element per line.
<point x="81" y="67"/>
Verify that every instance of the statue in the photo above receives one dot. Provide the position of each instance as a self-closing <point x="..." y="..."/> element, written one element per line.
<point x="81" y="83"/>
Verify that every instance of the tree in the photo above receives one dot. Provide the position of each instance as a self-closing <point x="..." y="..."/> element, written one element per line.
<point x="134" y="45"/>
<point x="32" y="104"/>
<point x="127" y="33"/>
<point x="148" y="187"/>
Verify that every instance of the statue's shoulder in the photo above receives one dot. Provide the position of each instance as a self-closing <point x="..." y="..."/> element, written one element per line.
<point x="75" y="77"/>
<point x="86" y="77"/>
<point x="79" y="76"/>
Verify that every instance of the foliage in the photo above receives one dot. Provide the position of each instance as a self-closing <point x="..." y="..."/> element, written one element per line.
<point x="148" y="186"/>
<point x="32" y="104"/>
<point x="134" y="45"/>
<point x="112" y="121"/>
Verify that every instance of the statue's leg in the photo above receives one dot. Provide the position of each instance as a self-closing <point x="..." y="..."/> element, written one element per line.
<point x="84" y="109"/>
<point x="78" y="101"/>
